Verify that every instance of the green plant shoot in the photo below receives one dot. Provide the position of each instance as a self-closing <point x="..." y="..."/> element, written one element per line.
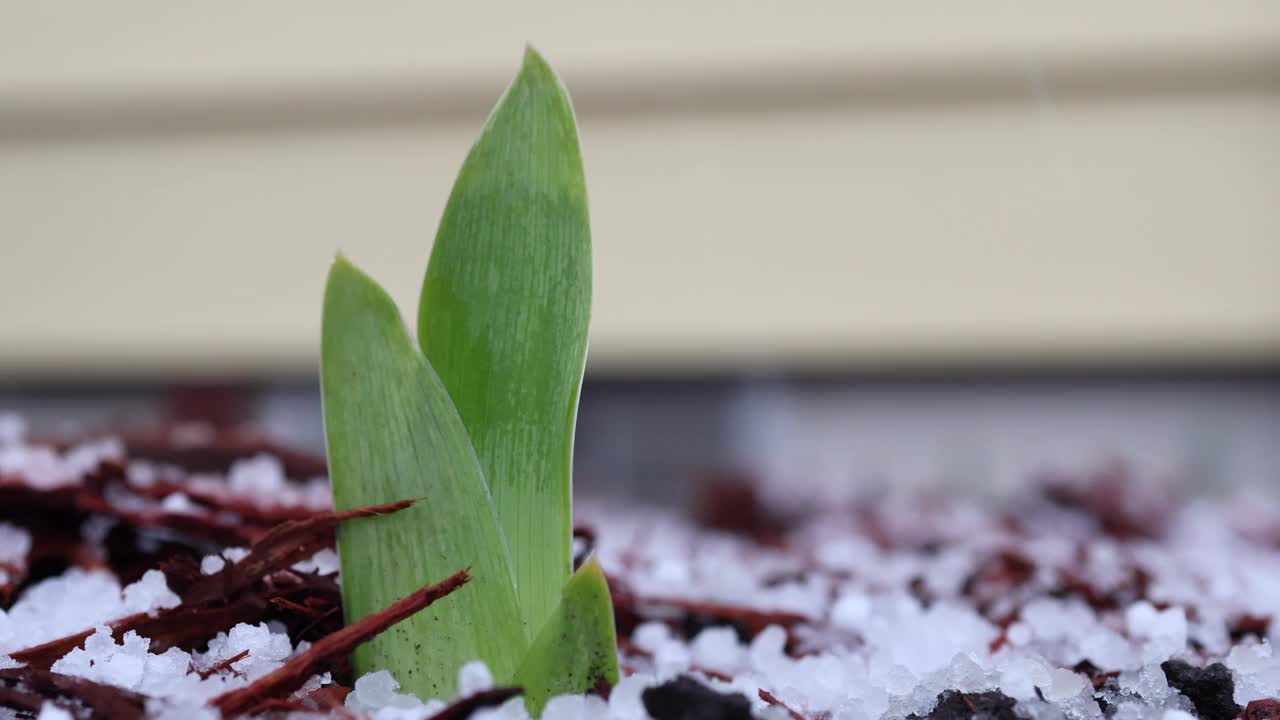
<point x="503" y="319"/>
<point x="478" y="421"/>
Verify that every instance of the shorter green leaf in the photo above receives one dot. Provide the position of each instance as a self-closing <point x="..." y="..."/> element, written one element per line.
<point x="576" y="647"/>
<point x="393" y="434"/>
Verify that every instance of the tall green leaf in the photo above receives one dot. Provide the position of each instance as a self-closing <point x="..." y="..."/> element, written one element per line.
<point x="393" y="433"/>
<point x="576" y="647"/>
<point x="503" y="319"/>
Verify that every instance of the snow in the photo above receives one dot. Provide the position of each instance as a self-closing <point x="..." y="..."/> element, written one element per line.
<point x="49" y="711"/>
<point x="15" y="543"/>
<point x="75" y="601"/>
<point x="474" y="677"/>
<point x="262" y="480"/>
<point x="893" y="592"/>
<point x="375" y="693"/>
<point x="148" y="594"/>
<point x="325" y="562"/>
<point x="1256" y="671"/>
<point x="176" y="675"/>
<point x="44" y="468"/>
<point x="717" y="648"/>
<point x="211" y="564"/>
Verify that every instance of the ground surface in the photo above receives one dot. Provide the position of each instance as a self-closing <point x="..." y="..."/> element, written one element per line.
<point x="185" y="574"/>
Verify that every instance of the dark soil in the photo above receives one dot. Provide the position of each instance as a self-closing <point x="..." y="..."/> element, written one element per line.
<point x="688" y="699"/>
<point x="1209" y="689"/>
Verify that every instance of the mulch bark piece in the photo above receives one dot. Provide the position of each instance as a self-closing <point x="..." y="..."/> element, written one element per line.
<point x="218" y="602"/>
<point x="603" y="687"/>
<point x="588" y="537"/>
<point x="1100" y="680"/>
<point x="330" y="698"/>
<point x="297" y="669"/>
<point x="284" y="545"/>
<point x="728" y="501"/>
<point x="1241" y="627"/>
<point x="204" y="527"/>
<point x="773" y="700"/>
<point x="1109" y="497"/>
<point x="684" y="698"/>
<point x="1097" y="677"/>
<point x="326" y="699"/>
<point x="1268" y="709"/>
<point x="955" y="705"/>
<point x="1210" y="689"/>
<point x="462" y="708"/>
<point x="104" y="700"/>
<point x="1130" y="591"/>
<point x="997" y="578"/>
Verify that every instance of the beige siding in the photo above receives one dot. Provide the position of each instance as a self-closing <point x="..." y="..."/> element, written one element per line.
<point x="828" y="183"/>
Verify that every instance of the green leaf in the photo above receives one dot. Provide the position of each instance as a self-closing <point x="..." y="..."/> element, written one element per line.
<point x="576" y="647"/>
<point x="393" y="433"/>
<point x="503" y="318"/>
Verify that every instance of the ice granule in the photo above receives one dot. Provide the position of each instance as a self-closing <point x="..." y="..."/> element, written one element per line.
<point x="1148" y="682"/>
<point x="45" y="469"/>
<point x="474" y="677"/>
<point x="267" y="650"/>
<point x="376" y="690"/>
<point x="170" y="675"/>
<point x="651" y="636"/>
<point x="75" y="601"/>
<point x="1256" y="671"/>
<point x="235" y="554"/>
<point x="49" y="711"/>
<point x="1021" y="673"/>
<point x="150" y="593"/>
<point x="766" y="651"/>
<point x="102" y="660"/>
<point x="851" y="611"/>
<point x="512" y="709"/>
<point x="1018" y="634"/>
<point x="313" y="683"/>
<point x="624" y="699"/>
<point x="180" y="504"/>
<point x="140" y="473"/>
<point x="183" y="709"/>
<point x="717" y="648"/>
<point x="210" y="564"/>
<point x="15" y="544"/>
<point x="1165" y="631"/>
<point x="1064" y="685"/>
<point x="575" y="707"/>
<point x="324" y="562"/>
<point x="261" y="476"/>
<point x="86" y="457"/>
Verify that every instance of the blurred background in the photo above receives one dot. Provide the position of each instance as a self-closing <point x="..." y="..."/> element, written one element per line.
<point x="834" y="241"/>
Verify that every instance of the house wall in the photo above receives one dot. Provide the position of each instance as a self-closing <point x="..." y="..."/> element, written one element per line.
<point x="808" y="184"/>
